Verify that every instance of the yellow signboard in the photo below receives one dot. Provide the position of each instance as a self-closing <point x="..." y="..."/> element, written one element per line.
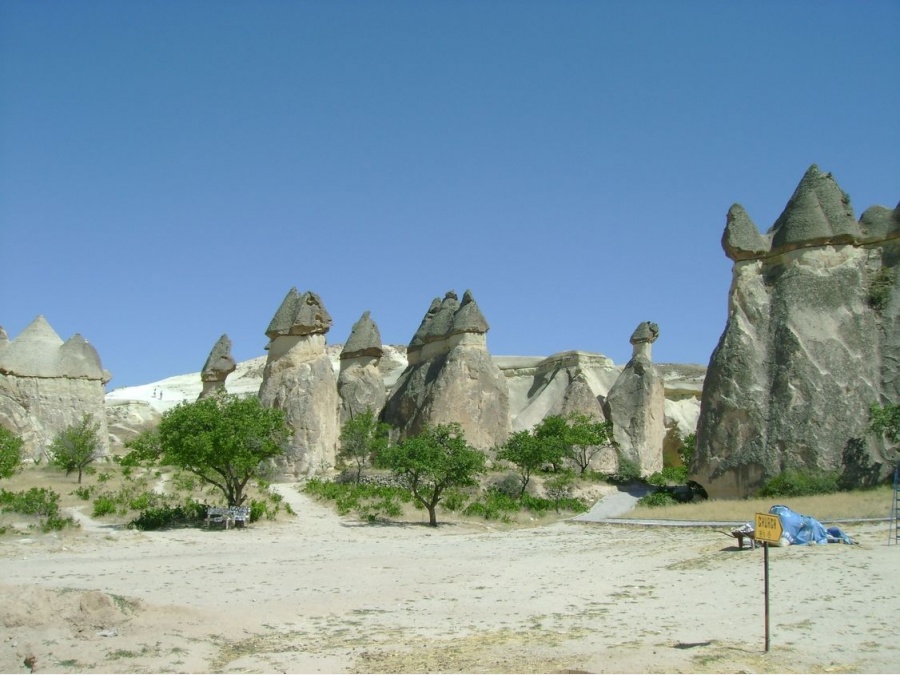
<point x="768" y="528"/>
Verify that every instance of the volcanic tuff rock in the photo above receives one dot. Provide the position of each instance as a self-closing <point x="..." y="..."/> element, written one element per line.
<point x="451" y="377"/>
<point x="636" y="404"/>
<point x="47" y="385"/>
<point x="219" y="365"/>
<point x="299" y="379"/>
<point x="811" y="342"/>
<point x="360" y="382"/>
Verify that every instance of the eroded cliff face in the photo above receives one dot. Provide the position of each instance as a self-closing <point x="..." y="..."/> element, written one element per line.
<point x="47" y="385"/>
<point x="810" y="343"/>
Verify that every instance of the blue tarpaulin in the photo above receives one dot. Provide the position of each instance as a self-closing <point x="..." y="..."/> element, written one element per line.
<point x="800" y="529"/>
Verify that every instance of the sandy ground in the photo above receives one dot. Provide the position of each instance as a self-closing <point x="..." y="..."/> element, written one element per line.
<point x="321" y="593"/>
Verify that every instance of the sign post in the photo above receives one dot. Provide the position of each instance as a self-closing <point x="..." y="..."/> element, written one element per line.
<point x="768" y="530"/>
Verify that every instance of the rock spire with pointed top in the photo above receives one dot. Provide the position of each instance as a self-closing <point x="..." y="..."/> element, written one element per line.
<point x="219" y="365"/>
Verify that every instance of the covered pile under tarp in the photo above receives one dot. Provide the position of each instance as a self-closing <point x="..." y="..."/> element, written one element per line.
<point x="799" y="529"/>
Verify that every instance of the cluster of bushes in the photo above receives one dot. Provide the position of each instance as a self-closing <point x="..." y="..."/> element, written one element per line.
<point x="40" y="502"/>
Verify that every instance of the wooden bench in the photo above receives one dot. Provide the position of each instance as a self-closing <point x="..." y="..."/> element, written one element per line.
<point x="228" y="515"/>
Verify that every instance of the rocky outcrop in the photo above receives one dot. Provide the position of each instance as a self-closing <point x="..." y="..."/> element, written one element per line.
<point x="566" y="382"/>
<point x="219" y="365"/>
<point x="810" y="343"/>
<point x="47" y="385"/>
<point x="636" y="404"/>
<point x="451" y="377"/>
<point x="299" y="379"/>
<point x="360" y="381"/>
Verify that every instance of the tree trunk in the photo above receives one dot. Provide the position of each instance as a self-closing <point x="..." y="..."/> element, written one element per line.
<point x="432" y="515"/>
<point x="79" y="475"/>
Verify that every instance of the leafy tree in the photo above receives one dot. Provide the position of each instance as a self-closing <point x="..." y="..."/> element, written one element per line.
<point x="77" y="446"/>
<point x="437" y="459"/>
<point x="362" y="438"/>
<point x="585" y="438"/>
<point x="552" y="434"/>
<point x="10" y="452"/>
<point x="223" y="440"/>
<point x="886" y="420"/>
<point x="528" y="453"/>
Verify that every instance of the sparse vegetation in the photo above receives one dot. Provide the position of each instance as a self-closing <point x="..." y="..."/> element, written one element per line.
<point x="880" y="290"/>
<point x="40" y="502"/>
<point x="362" y="438"/>
<point x="797" y="483"/>
<point x="10" y="453"/>
<point x="431" y="462"/>
<point x="885" y="420"/>
<point x="76" y="447"/>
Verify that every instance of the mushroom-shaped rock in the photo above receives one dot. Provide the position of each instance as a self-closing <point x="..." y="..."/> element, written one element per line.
<point x="647" y="331"/>
<point x="818" y="213"/>
<point x="643" y="336"/>
<point x="741" y="239"/>
<point x="219" y="365"/>
<point x="299" y="315"/>
<point x="468" y="318"/>
<point x="364" y="340"/>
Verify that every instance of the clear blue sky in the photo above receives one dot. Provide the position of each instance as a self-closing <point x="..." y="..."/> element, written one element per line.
<point x="169" y="170"/>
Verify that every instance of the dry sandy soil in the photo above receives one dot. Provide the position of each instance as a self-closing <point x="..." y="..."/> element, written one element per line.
<point x="321" y="593"/>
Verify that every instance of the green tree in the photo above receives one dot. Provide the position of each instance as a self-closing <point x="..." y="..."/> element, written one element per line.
<point x="362" y="438"/>
<point x="885" y="420"/>
<point x="437" y="459"/>
<point x="10" y="452"/>
<point x="528" y="453"/>
<point x="77" y="446"/>
<point x="552" y="434"/>
<point x="585" y="438"/>
<point x="223" y="440"/>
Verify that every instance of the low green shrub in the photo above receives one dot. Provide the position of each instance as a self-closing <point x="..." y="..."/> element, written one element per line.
<point x="657" y="499"/>
<point x="32" y="502"/>
<point x="103" y="506"/>
<point x="628" y="471"/>
<point x="166" y="516"/>
<point x="670" y="475"/>
<point x="56" y="523"/>
<point x="84" y="492"/>
<point x="796" y="483"/>
<point x="369" y="501"/>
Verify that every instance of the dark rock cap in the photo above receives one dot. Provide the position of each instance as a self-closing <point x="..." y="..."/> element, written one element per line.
<point x="647" y="331"/>
<point x="418" y="338"/>
<point x="879" y="222"/>
<point x="818" y="212"/>
<point x="364" y="340"/>
<point x="219" y="364"/>
<point x="741" y="239"/>
<point x="468" y="318"/>
<point x="442" y="323"/>
<point x="299" y="315"/>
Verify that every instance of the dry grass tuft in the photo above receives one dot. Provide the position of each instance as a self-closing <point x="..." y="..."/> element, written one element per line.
<point x="874" y="503"/>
